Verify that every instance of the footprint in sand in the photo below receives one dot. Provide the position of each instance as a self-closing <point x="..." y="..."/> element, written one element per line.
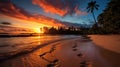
<point x="75" y="47"/>
<point x="80" y="55"/>
<point x="43" y="54"/>
<point x="85" y="64"/>
<point x="52" y="49"/>
<point x="54" y="63"/>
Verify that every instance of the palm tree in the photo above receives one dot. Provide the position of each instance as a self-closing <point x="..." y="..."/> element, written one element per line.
<point x="91" y="7"/>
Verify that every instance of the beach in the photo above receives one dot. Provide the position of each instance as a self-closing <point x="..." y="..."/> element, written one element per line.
<point x="74" y="51"/>
<point x="110" y="42"/>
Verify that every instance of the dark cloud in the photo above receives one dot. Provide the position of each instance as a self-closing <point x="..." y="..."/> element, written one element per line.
<point x="5" y="23"/>
<point x="4" y="1"/>
<point x="10" y="9"/>
<point x="60" y="7"/>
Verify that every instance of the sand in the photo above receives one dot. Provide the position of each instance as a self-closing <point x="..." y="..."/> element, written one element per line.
<point x="77" y="52"/>
<point x="110" y="42"/>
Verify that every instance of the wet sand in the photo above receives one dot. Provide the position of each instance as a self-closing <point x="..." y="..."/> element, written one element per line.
<point x="78" y="52"/>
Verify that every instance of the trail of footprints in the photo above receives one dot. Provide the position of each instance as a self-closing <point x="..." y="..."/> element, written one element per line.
<point x="82" y="63"/>
<point x="51" y="50"/>
<point x="55" y="63"/>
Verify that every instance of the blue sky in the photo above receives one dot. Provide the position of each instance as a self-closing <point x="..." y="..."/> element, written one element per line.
<point x="27" y="5"/>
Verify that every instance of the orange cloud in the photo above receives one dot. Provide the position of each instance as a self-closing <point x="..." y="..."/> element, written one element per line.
<point x="9" y="9"/>
<point x="60" y="7"/>
<point x="50" y="8"/>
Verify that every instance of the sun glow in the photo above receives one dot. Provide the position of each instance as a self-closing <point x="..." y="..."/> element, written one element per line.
<point x="38" y="30"/>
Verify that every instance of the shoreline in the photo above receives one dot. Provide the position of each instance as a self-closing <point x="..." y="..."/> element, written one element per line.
<point x="7" y="56"/>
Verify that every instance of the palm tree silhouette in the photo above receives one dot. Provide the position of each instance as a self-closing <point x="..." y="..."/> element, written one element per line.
<point x="91" y="7"/>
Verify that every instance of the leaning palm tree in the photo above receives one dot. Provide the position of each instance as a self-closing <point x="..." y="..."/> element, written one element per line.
<point x="91" y="7"/>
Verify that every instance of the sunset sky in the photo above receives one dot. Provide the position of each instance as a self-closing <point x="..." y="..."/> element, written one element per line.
<point x="34" y="14"/>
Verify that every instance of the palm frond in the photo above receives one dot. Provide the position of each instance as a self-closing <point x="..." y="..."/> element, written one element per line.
<point x="96" y="8"/>
<point x="88" y="7"/>
<point x="97" y="5"/>
<point x="94" y="2"/>
<point x="88" y="10"/>
<point x="92" y="6"/>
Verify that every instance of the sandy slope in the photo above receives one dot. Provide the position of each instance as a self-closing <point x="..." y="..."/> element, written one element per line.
<point x="110" y="42"/>
<point x="67" y="53"/>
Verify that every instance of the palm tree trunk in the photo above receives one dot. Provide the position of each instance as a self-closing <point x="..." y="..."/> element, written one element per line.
<point x="94" y="17"/>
